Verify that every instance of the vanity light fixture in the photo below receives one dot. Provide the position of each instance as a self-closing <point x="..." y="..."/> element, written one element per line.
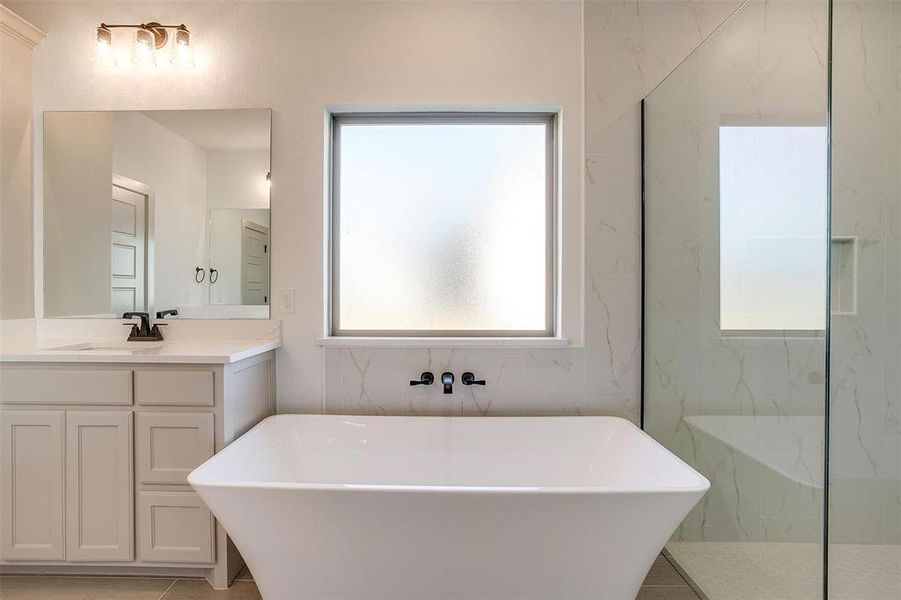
<point x="149" y="37"/>
<point x="105" y="54"/>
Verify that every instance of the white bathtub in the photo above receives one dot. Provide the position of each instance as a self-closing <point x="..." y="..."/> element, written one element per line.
<point x="345" y="508"/>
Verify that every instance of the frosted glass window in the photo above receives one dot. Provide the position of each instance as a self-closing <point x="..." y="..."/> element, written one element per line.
<point x="772" y="228"/>
<point x="442" y="225"/>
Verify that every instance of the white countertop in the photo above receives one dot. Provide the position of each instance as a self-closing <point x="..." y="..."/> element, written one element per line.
<point x="175" y="351"/>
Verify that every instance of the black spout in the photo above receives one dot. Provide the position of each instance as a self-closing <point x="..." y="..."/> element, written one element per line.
<point x="448" y="380"/>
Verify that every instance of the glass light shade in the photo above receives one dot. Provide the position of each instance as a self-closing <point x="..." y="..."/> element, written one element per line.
<point x="104" y="47"/>
<point x="182" y="53"/>
<point x="143" y="51"/>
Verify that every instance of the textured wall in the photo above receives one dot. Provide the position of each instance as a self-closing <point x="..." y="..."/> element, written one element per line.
<point x="298" y="58"/>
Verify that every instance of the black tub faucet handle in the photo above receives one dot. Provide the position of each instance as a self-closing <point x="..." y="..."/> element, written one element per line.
<point x="425" y="379"/>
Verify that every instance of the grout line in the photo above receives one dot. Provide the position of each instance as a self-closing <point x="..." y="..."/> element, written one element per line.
<point x="685" y="576"/>
<point x="166" y="591"/>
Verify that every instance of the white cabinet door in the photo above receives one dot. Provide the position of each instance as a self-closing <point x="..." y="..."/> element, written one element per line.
<point x="31" y="478"/>
<point x="174" y="527"/>
<point x="99" y="513"/>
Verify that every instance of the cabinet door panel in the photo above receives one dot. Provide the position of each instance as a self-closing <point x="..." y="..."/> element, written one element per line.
<point x="99" y="514"/>
<point x="174" y="527"/>
<point x="31" y="477"/>
<point x="171" y="445"/>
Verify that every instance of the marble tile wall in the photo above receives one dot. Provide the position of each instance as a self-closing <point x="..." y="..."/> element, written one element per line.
<point x="630" y="46"/>
<point x="865" y="431"/>
<point x="767" y="60"/>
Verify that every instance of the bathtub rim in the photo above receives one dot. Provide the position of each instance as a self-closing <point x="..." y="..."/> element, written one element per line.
<point x="702" y="485"/>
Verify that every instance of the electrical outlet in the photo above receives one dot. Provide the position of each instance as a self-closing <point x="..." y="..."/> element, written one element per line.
<point x="286" y="300"/>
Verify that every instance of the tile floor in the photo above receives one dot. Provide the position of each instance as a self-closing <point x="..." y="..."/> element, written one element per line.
<point x="662" y="583"/>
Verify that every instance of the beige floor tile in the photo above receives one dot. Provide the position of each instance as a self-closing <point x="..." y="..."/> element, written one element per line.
<point x="666" y="592"/>
<point x="82" y="588"/>
<point x="194" y="589"/>
<point x="663" y="573"/>
<point x="244" y="575"/>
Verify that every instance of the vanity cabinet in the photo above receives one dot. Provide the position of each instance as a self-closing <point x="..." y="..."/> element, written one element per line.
<point x="94" y="460"/>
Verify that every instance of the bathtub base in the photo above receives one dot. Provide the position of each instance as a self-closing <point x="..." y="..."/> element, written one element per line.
<point x="390" y="545"/>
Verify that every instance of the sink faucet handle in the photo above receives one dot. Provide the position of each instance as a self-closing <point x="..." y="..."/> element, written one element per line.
<point x="468" y="378"/>
<point x="145" y="320"/>
<point x="425" y="379"/>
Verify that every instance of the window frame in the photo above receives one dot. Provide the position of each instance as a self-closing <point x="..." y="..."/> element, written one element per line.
<point x="333" y="195"/>
<point x="763" y="120"/>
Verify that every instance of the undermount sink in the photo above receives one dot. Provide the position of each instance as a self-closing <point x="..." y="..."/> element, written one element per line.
<point x="108" y="347"/>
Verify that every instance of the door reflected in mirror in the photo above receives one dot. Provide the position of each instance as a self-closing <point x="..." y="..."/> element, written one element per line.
<point x="157" y="210"/>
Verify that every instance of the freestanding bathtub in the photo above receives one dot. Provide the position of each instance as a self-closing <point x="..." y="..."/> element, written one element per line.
<point x="347" y="508"/>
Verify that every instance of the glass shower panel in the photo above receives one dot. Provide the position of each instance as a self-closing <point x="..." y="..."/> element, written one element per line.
<point x="735" y="255"/>
<point x="865" y="370"/>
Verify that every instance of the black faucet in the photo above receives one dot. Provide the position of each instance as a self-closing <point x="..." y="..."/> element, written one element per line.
<point x="447" y="379"/>
<point x="468" y="378"/>
<point x="165" y="313"/>
<point x="425" y="378"/>
<point x="144" y="333"/>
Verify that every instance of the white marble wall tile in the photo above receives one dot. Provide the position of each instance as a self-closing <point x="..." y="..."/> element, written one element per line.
<point x="861" y="112"/>
<point x="856" y="418"/>
<point x="372" y="381"/>
<point x="792" y="529"/>
<point x="673" y="391"/>
<point x="554" y="382"/>
<point x="612" y="328"/>
<point x="734" y="382"/>
<point x="627" y="407"/>
<point x="856" y="512"/>
<point x="733" y="503"/>
<point x="613" y="216"/>
<point x="621" y="137"/>
<point x="672" y="296"/>
<point x="863" y="333"/>
<point x="636" y="44"/>
<point x="795" y="369"/>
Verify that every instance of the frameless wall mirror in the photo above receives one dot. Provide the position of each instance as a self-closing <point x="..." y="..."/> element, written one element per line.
<point x="157" y="210"/>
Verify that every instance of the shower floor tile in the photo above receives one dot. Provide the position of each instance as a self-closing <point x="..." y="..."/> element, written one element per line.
<point x="789" y="571"/>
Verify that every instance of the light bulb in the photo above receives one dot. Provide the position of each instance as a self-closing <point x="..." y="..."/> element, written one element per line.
<point x="268" y="180"/>
<point x="105" y="47"/>
<point x="182" y="53"/>
<point x="143" y="51"/>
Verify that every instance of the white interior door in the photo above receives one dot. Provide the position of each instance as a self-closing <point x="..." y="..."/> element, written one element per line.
<point x="254" y="263"/>
<point x="128" y="278"/>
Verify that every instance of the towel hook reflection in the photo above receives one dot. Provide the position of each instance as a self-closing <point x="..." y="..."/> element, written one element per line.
<point x="214" y="275"/>
<point x="199" y="274"/>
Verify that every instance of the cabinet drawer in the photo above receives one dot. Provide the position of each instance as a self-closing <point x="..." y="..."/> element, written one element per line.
<point x="171" y="445"/>
<point x="172" y="387"/>
<point x="65" y="386"/>
<point x="174" y="527"/>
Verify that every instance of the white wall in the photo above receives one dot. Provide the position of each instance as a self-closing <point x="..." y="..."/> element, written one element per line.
<point x="300" y="58"/>
<point x="78" y="167"/>
<point x="17" y="40"/>
<point x="175" y="168"/>
<point x="237" y="179"/>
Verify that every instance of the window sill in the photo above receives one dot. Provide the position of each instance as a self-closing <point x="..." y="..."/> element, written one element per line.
<point x="443" y="342"/>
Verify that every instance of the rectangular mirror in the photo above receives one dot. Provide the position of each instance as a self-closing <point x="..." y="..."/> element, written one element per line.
<point x="153" y="211"/>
